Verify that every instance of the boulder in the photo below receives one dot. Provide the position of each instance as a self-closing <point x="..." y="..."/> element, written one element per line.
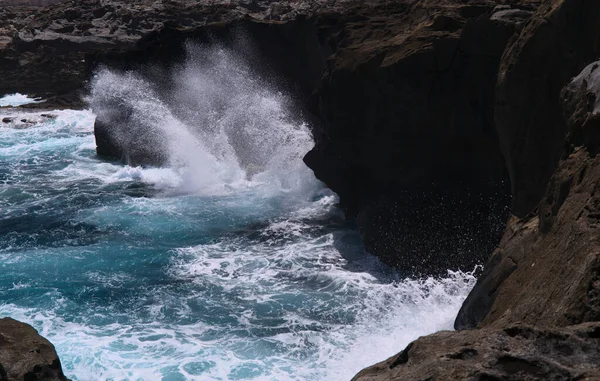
<point x="25" y="355"/>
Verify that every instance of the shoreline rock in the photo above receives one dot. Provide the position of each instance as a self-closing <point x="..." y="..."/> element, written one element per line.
<point x="546" y="271"/>
<point x="25" y="355"/>
<point x="513" y="353"/>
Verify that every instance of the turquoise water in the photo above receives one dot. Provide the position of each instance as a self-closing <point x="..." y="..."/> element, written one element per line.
<point x="200" y="270"/>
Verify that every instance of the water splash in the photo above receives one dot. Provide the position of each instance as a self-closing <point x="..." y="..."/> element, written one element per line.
<point x="218" y="125"/>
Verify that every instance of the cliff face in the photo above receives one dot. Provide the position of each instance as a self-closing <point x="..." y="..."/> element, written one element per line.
<point x="546" y="270"/>
<point x="407" y="137"/>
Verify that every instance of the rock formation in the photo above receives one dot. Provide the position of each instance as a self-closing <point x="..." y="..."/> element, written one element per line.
<point x="546" y="271"/>
<point x="25" y="355"/>
<point x="407" y="138"/>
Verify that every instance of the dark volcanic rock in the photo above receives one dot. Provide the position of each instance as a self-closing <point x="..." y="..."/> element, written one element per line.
<point x="125" y="130"/>
<point x="515" y="353"/>
<point x="408" y="139"/>
<point x="561" y="38"/>
<point x="25" y="355"/>
<point x="547" y="268"/>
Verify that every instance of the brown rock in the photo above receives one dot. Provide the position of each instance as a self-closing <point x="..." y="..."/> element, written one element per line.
<point x="25" y="355"/>
<point x="547" y="268"/>
<point x="515" y="353"/>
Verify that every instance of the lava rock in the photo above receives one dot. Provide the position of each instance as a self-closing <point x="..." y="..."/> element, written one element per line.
<point x="25" y="355"/>
<point x="407" y="138"/>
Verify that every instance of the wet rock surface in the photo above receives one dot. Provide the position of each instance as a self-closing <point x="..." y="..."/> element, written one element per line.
<point x="25" y="355"/>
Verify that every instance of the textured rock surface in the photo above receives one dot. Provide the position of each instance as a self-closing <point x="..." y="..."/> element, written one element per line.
<point x="25" y="355"/>
<point x="515" y="353"/>
<point x="51" y="51"/>
<point x="547" y="268"/>
<point x="546" y="271"/>
<point x="562" y="38"/>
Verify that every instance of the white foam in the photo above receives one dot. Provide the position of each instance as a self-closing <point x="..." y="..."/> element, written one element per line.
<point x="222" y="128"/>
<point x="14" y="100"/>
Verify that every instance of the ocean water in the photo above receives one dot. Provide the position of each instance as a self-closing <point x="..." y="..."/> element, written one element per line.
<point x="230" y="263"/>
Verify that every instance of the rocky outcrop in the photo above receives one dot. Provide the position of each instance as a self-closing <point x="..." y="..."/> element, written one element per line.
<point x="546" y="271"/>
<point x="547" y="268"/>
<point x="52" y="52"/>
<point x="514" y="353"/>
<point x="25" y="355"/>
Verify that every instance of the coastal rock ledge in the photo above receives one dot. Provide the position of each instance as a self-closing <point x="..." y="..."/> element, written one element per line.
<point x="512" y="353"/>
<point x="25" y="355"/>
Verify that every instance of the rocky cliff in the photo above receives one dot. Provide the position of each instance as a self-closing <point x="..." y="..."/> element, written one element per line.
<point x="546" y="271"/>
<point x="435" y="121"/>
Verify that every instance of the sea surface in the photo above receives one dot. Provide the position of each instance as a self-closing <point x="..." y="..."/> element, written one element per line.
<point x="230" y="263"/>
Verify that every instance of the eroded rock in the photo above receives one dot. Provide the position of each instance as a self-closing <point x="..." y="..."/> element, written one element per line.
<point x="562" y="37"/>
<point x="407" y="136"/>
